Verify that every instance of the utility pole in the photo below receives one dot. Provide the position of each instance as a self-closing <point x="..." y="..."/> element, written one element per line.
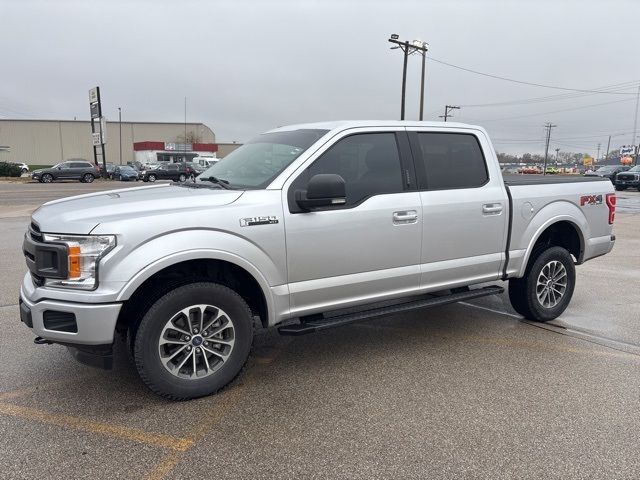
<point x="548" y="126"/>
<point x="635" y="126"/>
<point x="606" y="155"/>
<point x="598" y="154"/>
<point x="407" y="49"/>
<point x="120" y="127"/>
<point x="557" y="152"/>
<point x="447" y="109"/>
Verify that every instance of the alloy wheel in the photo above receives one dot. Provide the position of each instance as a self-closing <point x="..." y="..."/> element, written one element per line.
<point x="196" y="341"/>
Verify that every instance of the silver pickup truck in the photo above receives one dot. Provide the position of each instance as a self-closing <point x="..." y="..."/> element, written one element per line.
<point x="306" y="227"/>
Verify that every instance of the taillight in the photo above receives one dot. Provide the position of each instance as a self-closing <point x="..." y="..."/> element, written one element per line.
<point x="611" y="203"/>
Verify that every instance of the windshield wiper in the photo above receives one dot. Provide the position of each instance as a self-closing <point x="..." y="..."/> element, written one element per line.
<point x="218" y="181"/>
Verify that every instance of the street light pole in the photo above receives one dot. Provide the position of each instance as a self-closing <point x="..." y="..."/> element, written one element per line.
<point x="120" y="128"/>
<point x="408" y="49"/>
<point x="404" y="78"/>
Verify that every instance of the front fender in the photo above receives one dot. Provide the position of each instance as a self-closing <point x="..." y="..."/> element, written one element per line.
<point x="139" y="264"/>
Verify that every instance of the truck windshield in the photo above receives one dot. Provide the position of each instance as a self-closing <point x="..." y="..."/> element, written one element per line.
<point x="259" y="161"/>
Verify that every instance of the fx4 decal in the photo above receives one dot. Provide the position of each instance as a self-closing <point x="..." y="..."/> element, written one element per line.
<point x="590" y="200"/>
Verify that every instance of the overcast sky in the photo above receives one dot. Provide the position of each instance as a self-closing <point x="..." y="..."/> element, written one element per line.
<point x="248" y="66"/>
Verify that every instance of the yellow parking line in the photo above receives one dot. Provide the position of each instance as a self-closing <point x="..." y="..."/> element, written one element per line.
<point x="116" y="431"/>
<point x="162" y="469"/>
<point x="229" y="400"/>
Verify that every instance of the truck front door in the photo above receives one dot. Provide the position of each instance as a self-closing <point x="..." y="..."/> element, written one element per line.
<point x="367" y="249"/>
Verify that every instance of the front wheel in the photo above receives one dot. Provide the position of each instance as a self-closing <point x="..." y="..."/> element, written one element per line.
<point x="152" y="178"/>
<point x="193" y="341"/>
<point x="46" y="178"/>
<point x="546" y="288"/>
<point x="619" y="188"/>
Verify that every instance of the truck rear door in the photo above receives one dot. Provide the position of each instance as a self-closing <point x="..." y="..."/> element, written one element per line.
<point x="464" y="207"/>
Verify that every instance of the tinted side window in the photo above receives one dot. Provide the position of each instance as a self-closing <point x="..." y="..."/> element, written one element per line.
<point x="369" y="164"/>
<point x="452" y="160"/>
<point x="80" y="165"/>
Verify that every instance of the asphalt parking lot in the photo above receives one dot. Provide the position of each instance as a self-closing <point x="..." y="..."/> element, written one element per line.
<point x="463" y="391"/>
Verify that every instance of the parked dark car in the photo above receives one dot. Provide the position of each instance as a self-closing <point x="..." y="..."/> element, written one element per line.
<point x="70" y="170"/>
<point x="178" y="172"/>
<point x="630" y="178"/>
<point x="125" y="173"/>
<point x="608" y="171"/>
<point x="110" y="168"/>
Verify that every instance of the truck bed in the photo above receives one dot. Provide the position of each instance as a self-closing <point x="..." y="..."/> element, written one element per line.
<point x="518" y="180"/>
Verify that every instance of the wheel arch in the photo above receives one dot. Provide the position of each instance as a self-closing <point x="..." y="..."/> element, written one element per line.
<point x="562" y="231"/>
<point x="192" y="266"/>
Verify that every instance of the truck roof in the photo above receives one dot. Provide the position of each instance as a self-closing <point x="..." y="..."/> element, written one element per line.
<point x="342" y="124"/>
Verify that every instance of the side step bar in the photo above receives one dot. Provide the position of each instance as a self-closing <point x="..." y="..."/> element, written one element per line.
<point x="316" y="325"/>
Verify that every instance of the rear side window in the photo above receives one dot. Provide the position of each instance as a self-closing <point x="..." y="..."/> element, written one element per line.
<point x="80" y="165"/>
<point x="369" y="163"/>
<point x="452" y="160"/>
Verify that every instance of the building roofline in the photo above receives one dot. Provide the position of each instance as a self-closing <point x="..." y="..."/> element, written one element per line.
<point x="89" y="121"/>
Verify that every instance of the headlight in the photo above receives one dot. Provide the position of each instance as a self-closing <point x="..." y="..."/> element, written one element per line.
<point x="84" y="252"/>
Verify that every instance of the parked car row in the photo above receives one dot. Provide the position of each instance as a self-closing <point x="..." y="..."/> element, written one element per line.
<point x="85" y="171"/>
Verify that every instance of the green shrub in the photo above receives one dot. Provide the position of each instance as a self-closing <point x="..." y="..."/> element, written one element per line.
<point x="10" y="170"/>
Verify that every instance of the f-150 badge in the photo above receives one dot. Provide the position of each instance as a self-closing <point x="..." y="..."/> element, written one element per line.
<point x="253" y="221"/>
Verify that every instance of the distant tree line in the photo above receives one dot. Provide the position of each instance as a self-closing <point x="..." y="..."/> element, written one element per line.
<point x="563" y="157"/>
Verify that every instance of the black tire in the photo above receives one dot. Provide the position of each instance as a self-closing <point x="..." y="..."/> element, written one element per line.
<point x="182" y="178"/>
<point x="87" y="178"/>
<point x="146" y="348"/>
<point x="523" y="291"/>
<point x="619" y="188"/>
<point x="151" y="178"/>
<point x="46" y="178"/>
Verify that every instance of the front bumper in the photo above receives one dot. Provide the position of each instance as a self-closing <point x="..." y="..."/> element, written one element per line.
<point x="95" y="323"/>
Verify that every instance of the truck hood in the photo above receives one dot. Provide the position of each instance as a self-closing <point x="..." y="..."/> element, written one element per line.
<point x="82" y="213"/>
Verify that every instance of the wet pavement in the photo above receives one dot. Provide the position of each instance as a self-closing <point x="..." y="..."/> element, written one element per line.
<point x="462" y="391"/>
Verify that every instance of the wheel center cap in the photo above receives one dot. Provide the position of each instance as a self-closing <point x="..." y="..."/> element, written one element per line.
<point x="196" y="341"/>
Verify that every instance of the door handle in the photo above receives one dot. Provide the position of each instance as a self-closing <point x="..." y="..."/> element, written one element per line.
<point x="409" y="216"/>
<point x="492" y="208"/>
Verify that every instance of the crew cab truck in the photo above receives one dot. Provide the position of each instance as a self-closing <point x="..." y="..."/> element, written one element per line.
<point x="306" y="227"/>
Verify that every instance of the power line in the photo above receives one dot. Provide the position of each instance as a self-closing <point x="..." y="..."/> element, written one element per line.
<point x="558" y="111"/>
<point x="522" y="82"/>
<point x="550" y="98"/>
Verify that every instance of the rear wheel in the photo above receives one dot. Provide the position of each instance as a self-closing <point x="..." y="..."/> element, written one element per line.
<point x="193" y="341"/>
<point x="46" y="178"/>
<point x="182" y="178"/>
<point x="87" y="178"/>
<point x="152" y="178"/>
<point x="546" y="288"/>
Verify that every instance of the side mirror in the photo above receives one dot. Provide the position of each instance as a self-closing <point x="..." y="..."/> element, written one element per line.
<point x="323" y="190"/>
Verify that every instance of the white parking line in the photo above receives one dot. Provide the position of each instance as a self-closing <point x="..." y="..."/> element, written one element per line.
<point x="500" y="312"/>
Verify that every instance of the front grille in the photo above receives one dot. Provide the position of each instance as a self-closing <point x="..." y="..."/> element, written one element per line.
<point x="34" y="231"/>
<point x="44" y="260"/>
<point x="626" y="177"/>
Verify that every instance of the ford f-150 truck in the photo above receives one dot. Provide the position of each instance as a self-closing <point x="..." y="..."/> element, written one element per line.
<point x="306" y="227"/>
